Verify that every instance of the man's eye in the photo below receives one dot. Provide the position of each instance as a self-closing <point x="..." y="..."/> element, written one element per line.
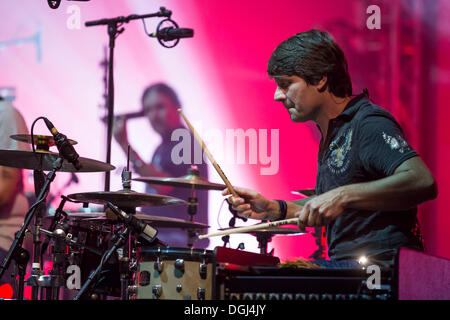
<point x="283" y="85"/>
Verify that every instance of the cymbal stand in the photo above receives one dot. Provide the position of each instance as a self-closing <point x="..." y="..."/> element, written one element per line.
<point x="263" y="239"/>
<point x="232" y="222"/>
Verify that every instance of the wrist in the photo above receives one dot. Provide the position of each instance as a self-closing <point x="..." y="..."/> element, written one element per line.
<point x="346" y="196"/>
<point x="275" y="210"/>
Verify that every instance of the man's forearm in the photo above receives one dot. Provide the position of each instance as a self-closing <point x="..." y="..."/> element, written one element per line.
<point x="397" y="192"/>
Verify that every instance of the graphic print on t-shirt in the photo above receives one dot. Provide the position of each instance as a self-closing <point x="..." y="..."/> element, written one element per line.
<point x="338" y="161"/>
<point x="396" y="142"/>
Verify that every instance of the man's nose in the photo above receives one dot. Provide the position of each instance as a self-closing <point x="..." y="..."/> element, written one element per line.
<point x="279" y="95"/>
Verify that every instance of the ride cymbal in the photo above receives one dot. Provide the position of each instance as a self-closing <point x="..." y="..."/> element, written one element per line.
<point x="190" y="180"/>
<point x="126" y="199"/>
<point x="43" y="160"/>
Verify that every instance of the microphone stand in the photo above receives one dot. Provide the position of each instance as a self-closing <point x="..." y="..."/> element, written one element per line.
<point x="113" y="32"/>
<point x="119" y="241"/>
<point x="15" y="251"/>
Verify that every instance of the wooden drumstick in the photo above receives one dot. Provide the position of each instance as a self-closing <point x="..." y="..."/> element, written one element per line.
<point x="210" y="157"/>
<point x="251" y="228"/>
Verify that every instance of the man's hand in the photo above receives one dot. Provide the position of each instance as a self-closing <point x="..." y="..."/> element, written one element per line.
<point x="252" y="204"/>
<point x="322" y="209"/>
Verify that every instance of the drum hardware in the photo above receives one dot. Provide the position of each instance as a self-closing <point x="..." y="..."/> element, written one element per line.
<point x="42" y="142"/>
<point x="18" y="240"/>
<point x="40" y="160"/>
<point x="119" y="240"/>
<point x="174" y="273"/>
<point x="195" y="182"/>
<point x="232" y="222"/>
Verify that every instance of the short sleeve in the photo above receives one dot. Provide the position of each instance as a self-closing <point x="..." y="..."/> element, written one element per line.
<point x="382" y="144"/>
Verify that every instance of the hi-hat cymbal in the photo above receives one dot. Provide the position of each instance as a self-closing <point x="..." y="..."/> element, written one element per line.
<point x="187" y="181"/>
<point x="25" y="159"/>
<point x="305" y="192"/>
<point x="40" y="140"/>
<point x="126" y="199"/>
<point x="156" y="221"/>
<point x="271" y="230"/>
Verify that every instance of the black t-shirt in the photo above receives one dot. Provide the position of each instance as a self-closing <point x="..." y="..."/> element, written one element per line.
<point x="365" y="143"/>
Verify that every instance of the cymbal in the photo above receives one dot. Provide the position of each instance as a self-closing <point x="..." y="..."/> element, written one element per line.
<point x="187" y="181"/>
<point x="26" y="159"/>
<point x="156" y="221"/>
<point x="38" y="139"/>
<point x="126" y="199"/>
<point x="305" y="192"/>
<point x="272" y="230"/>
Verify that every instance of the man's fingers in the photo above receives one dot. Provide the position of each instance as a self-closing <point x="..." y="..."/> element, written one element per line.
<point x="245" y="214"/>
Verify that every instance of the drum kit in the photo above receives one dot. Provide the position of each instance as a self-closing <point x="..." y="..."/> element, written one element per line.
<point x="110" y="248"/>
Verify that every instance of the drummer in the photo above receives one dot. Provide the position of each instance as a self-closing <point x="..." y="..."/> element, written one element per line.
<point x="369" y="181"/>
<point x="160" y="103"/>
<point x="13" y="202"/>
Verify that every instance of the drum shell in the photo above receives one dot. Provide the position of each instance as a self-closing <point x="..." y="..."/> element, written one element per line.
<point x="175" y="284"/>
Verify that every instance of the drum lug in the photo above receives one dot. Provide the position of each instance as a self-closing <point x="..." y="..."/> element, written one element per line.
<point x="158" y="265"/>
<point x="179" y="264"/>
<point x="203" y="269"/>
<point x="132" y="290"/>
<point x="157" y="290"/>
<point x="201" y="293"/>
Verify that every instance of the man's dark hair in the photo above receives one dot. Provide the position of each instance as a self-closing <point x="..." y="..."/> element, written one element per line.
<point x="311" y="55"/>
<point x="164" y="89"/>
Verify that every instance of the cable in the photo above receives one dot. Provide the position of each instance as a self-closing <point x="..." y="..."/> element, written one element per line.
<point x="218" y="214"/>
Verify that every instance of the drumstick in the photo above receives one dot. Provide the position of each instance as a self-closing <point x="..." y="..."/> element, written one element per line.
<point x="210" y="157"/>
<point x="251" y="228"/>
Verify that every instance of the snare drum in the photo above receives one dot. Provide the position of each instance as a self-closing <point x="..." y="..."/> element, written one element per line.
<point x="175" y="274"/>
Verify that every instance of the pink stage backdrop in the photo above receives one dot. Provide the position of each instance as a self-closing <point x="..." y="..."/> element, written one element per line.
<point x="220" y="75"/>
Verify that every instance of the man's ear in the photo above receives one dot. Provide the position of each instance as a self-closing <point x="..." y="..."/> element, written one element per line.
<point x="322" y="84"/>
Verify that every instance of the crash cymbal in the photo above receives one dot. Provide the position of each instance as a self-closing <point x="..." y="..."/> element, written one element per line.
<point x="305" y="192"/>
<point x="39" y="140"/>
<point x="191" y="180"/>
<point x="25" y="159"/>
<point x="157" y="222"/>
<point x="271" y="230"/>
<point x="126" y="199"/>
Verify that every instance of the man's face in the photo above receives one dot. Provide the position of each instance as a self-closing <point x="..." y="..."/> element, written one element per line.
<point x="301" y="100"/>
<point x="161" y="112"/>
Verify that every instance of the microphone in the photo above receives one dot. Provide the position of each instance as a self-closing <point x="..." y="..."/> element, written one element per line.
<point x="171" y="33"/>
<point x="139" y="227"/>
<point x="127" y="116"/>
<point x="65" y="148"/>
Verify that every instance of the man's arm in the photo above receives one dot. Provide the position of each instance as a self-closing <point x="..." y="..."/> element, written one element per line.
<point x="409" y="185"/>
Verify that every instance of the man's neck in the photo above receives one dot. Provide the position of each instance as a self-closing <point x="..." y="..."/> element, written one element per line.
<point x="332" y="107"/>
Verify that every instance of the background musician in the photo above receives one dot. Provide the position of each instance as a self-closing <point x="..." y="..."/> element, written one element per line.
<point x="369" y="179"/>
<point x="160" y="104"/>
